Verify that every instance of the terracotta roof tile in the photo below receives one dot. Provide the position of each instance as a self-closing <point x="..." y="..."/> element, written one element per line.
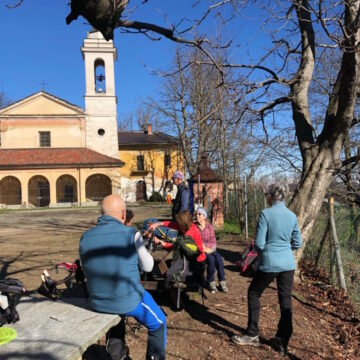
<point x="55" y="157"/>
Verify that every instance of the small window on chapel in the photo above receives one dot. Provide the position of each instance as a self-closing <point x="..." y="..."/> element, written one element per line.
<point x="167" y="160"/>
<point x="140" y="163"/>
<point x="45" y="140"/>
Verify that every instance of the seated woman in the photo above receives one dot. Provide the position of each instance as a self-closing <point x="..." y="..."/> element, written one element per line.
<point x="184" y="224"/>
<point x="213" y="258"/>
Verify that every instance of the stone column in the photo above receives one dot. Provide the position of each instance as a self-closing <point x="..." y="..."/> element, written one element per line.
<point x="24" y="190"/>
<point x="52" y="184"/>
<point x="82" y="190"/>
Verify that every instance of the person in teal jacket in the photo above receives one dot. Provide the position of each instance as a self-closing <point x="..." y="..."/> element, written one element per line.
<point x="277" y="236"/>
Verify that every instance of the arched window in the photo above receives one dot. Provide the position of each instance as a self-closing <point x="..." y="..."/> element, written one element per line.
<point x="10" y="191"/>
<point x="39" y="191"/>
<point x="66" y="189"/>
<point x="100" y="83"/>
<point x="97" y="187"/>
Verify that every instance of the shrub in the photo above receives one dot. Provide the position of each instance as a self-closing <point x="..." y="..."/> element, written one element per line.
<point x="156" y="197"/>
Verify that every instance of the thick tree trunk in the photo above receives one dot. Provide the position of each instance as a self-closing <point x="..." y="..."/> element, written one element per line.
<point x="309" y="196"/>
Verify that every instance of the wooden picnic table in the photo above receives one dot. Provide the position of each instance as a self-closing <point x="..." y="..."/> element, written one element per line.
<point x="55" y="330"/>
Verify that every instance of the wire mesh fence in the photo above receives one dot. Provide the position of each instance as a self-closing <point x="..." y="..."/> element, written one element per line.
<point x="237" y="205"/>
<point x="348" y="232"/>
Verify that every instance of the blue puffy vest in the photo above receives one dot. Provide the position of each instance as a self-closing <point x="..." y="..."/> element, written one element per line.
<point x="110" y="263"/>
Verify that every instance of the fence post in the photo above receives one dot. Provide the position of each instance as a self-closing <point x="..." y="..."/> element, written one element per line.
<point x="246" y="210"/>
<point x="336" y="244"/>
<point x="322" y="243"/>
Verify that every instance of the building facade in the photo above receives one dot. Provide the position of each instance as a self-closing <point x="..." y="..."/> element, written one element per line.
<point x="150" y="159"/>
<point x="54" y="153"/>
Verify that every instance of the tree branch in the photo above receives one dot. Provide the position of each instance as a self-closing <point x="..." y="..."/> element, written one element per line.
<point x="17" y="4"/>
<point x="170" y="34"/>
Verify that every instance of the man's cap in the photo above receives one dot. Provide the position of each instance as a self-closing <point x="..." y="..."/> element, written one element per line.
<point x="178" y="175"/>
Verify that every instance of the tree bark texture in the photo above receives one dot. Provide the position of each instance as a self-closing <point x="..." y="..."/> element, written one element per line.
<point x="321" y="156"/>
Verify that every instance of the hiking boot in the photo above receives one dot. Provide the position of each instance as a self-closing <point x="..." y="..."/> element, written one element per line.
<point x="212" y="287"/>
<point x="223" y="286"/>
<point x="280" y="346"/>
<point x="246" y="340"/>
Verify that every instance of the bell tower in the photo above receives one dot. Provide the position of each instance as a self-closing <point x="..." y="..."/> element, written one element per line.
<point x="100" y="99"/>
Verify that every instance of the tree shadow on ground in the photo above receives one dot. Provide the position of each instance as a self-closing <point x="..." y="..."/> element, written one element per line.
<point x="201" y="313"/>
<point x="229" y="255"/>
<point x="232" y="268"/>
<point x="30" y="257"/>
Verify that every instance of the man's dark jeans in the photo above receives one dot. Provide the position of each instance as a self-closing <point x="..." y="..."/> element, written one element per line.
<point x="260" y="282"/>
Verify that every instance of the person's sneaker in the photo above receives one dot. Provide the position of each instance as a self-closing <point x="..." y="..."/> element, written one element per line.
<point x="223" y="286"/>
<point x="212" y="287"/>
<point x="246" y="340"/>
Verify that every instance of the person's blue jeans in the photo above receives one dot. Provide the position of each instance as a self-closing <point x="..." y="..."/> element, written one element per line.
<point x="149" y="314"/>
<point x="214" y="262"/>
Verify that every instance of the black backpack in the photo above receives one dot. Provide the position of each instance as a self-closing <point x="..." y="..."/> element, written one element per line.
<point x="12" y="289"/>
<point x="249" y="261"/>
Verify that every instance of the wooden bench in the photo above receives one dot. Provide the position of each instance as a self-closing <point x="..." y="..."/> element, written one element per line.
<point x="55" y="330"/>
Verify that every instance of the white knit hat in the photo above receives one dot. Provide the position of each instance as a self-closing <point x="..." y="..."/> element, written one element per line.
<point x="202" y="211"/>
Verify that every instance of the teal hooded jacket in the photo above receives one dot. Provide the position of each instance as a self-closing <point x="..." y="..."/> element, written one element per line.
<point x="277" y="235"/>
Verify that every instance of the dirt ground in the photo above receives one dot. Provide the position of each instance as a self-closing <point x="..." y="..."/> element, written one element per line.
<point x="323" y="329"/>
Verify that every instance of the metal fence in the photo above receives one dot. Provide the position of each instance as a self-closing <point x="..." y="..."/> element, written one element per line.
<point x="244" y="204"/>
<point x="348" y="233"/>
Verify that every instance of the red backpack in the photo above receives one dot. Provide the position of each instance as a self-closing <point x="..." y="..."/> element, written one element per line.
<point x="249" y="261"/>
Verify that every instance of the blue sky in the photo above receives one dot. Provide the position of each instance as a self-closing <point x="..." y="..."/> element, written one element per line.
<point x="37" y="46"/>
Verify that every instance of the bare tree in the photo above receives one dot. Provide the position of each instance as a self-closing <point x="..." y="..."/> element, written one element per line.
<point x="287" y="81"/>
<point x="189" y="105"/>
<point x="4" y="101"/>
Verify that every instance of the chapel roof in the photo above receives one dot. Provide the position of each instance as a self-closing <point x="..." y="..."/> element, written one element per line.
<point x="41" y="158"/>
<point x="206" y="173"/>
<point x="48" y="104"/>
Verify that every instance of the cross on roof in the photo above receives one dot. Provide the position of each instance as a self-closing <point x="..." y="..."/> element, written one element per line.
<point x="43" y="83"/>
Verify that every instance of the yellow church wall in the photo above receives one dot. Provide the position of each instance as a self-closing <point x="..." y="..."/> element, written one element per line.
<point x="52" y="175"/>
<point x="24" y="133"/>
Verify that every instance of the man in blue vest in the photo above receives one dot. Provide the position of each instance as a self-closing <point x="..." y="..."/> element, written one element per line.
<point x="111" y="254"/>
<point x="182" y="199"/>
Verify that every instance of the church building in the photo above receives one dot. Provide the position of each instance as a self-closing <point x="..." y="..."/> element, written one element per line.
<point x="54" y="153"/>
